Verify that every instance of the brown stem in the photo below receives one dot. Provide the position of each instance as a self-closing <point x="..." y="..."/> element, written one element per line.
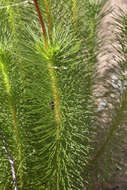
<point x="41" y="22"/>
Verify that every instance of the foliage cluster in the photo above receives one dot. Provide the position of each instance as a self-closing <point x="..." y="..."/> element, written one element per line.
<point x="47" y="120"/>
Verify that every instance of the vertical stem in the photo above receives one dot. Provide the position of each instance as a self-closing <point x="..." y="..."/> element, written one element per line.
<point x="14" y="119"/>
<point x="55" y="93"/>
<point x="49" y="19"/>
<point x="58" y="121"/>
<point x="12" y="20"/>
<point x="54" y="88"/>
<point x="41" y="22"/>
<point x="50" y="64"/>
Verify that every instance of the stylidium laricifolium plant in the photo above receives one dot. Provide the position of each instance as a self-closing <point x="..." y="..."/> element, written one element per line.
<point x="47" y="61"/>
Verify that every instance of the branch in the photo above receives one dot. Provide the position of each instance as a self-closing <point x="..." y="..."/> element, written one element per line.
<point x="41" y="22"/>
<point x="11" y="162"/>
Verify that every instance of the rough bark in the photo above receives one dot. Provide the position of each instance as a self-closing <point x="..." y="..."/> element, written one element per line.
<point x="108" y="80"/>
<point x="108" y="87"/>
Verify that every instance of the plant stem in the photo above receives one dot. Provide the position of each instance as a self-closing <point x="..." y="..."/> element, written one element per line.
<point x="13" y="112"/>
<point x="12" y="20"/>
<point x="50" y="64"/>
<point x="41" y="22"/>
<point x="55" y="93"/>
<point x="58" y="121"/>
<point x="49" y="19"/>
<point x="54" y="87"/>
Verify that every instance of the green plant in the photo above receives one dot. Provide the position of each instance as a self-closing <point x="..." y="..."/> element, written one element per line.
<point x="47" y="61"/>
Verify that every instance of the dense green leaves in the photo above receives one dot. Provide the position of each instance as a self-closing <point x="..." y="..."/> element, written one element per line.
<point x="46" y="93"/>
<point x="48" y="97"/>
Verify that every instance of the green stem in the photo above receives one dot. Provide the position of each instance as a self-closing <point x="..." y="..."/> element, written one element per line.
<point x="55" y="92"/>
<point x="57" y="118"/>
<point x="12" y="21"/>
<point x="10" y="97"/>
<point x="49" y="19"/>
<point x="14" y="119"/>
